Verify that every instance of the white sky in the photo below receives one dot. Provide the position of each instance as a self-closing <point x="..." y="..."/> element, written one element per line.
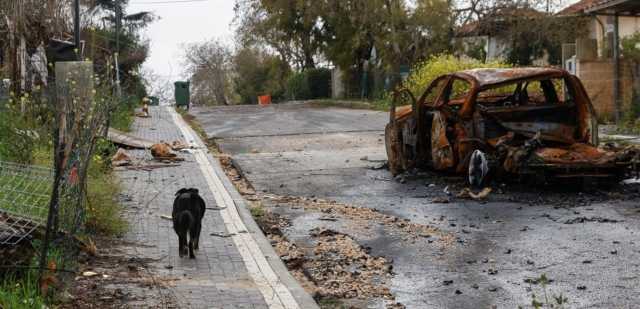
<point x="181" y="23"/>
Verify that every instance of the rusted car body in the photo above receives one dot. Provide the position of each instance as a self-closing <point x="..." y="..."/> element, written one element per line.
<point x="529" y="121"/>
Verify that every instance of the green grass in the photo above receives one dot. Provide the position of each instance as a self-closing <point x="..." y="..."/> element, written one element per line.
<point x="382" y="104"/>
<point x="103" y="208"/>
<point x="256" y="211"/>
<point x="354" y="104"/>
<point x="20" y="288"/>
<point x="22" y="292"/>
<point x="331" y="303"/>
<point x="122" y="118"/>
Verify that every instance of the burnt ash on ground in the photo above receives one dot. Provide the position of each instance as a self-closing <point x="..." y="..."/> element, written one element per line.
<point x="562" y="194"/>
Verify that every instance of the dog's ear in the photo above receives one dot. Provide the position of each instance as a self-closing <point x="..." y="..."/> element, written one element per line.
<point x="183" y="190"/>
<point x="193" y="190"/>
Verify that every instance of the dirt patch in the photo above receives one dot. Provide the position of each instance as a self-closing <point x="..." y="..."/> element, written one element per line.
<point x="365" y="218"/>
<point x="115" y="279"/>
<point x="341" y="268"/>
<point x="334" y="268"/>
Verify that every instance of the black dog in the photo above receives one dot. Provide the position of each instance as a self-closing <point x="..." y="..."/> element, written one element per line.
<point x="188" y="211"/>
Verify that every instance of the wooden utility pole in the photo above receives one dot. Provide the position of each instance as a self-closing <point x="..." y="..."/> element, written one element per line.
<point x="117" y="64"/>
<point x="616" y="69"/>
<point x="76" y="26"/>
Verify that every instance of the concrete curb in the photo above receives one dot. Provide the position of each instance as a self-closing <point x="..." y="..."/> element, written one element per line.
<point x="303" y="299"/>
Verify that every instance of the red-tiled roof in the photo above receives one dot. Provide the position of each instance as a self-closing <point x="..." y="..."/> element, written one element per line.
<point x="583" y="5"/>
<point x="578" y="7"/>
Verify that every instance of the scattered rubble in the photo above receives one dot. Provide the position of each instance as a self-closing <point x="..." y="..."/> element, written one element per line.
<point x="590" y="219"/>
<point x="467" y="193"/>
<point x="115" y="279"/>
<point x="179" y="145"/>
<point x="127" y="140"/>
<point x="363" y="217"/>
<point x="336" y="266"/>
<point x="120" y="158"/>
<point x="342" y="268"/>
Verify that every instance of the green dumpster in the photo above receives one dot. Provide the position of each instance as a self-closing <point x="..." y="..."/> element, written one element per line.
<point x="155" y="101"/>
<point x="182" y="93"/>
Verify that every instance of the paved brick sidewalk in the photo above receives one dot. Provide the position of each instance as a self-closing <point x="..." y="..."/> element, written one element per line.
<point x="218" y="277"/>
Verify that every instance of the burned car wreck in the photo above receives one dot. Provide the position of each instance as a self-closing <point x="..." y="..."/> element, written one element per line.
<point x="524" y="122"/>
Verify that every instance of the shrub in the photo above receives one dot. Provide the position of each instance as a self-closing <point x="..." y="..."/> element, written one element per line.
<point x="103" y="208"/>
<point x="309" y="84"/>
<point x="298" y="87"/>
<point x="425" y="72"/>
<point x="258" y="73"/>
<point x="122" y="115"/>
<point x="319" y="83"/>
<point x="17" y="139"/>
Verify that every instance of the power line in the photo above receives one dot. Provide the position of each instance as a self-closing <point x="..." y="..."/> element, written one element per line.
<point x="168" y="2"/>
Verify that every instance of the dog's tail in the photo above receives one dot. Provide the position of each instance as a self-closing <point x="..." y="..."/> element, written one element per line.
<point x="185" y="220"/>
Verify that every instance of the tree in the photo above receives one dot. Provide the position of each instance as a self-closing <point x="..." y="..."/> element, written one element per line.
<point x="384" y="34"/>
<point x="209" y="64"/>
<point x="290" y="27"/>
<point x="529" y="26"/>
<point x="631" y="52"/>
<point x="256" y="72"/>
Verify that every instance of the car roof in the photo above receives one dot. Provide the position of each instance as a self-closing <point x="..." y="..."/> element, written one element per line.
<point x="488" y="78"/>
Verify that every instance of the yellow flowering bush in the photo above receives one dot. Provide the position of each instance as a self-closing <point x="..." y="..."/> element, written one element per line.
<point x="425" y="72"/>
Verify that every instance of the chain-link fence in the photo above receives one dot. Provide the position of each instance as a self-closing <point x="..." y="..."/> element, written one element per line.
<point x="44" y="209"/>
<point x="80" y="118"/>
<point x="24" y="199"/>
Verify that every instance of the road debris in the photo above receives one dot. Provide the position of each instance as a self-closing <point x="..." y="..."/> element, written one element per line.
<point x="467" y="193"/>
<point x="89" y="274"/>
<point x="127" y="140"/>
<point x="120" y="158"/>
<point x="590" y="219"/>
<point x="342" y="268"/>
<point x="363" y="216"/>
<point x="179" y="145"/>
<point x="116" y="279"/>
<point x="440" y="200"/>
<point x="149" y="167"/>
<point x="223" y="235"/>
<point x="379" y="166"/>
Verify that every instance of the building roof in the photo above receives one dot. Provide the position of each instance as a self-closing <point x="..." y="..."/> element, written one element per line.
<point x="486" y="78"/>
<point x="578" y="7"/>
<point x="491" y="21"/>
<point x="593" y="6"/>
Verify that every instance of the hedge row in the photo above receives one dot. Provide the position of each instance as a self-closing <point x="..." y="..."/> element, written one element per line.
<point x="309" y="84"/>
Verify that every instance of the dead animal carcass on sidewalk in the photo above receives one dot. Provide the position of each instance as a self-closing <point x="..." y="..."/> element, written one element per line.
<point x="525" y="121"/>
<point x="164" y="152"/>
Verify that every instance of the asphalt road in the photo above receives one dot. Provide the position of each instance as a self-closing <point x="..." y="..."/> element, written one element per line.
<point x="586" y="242"/>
